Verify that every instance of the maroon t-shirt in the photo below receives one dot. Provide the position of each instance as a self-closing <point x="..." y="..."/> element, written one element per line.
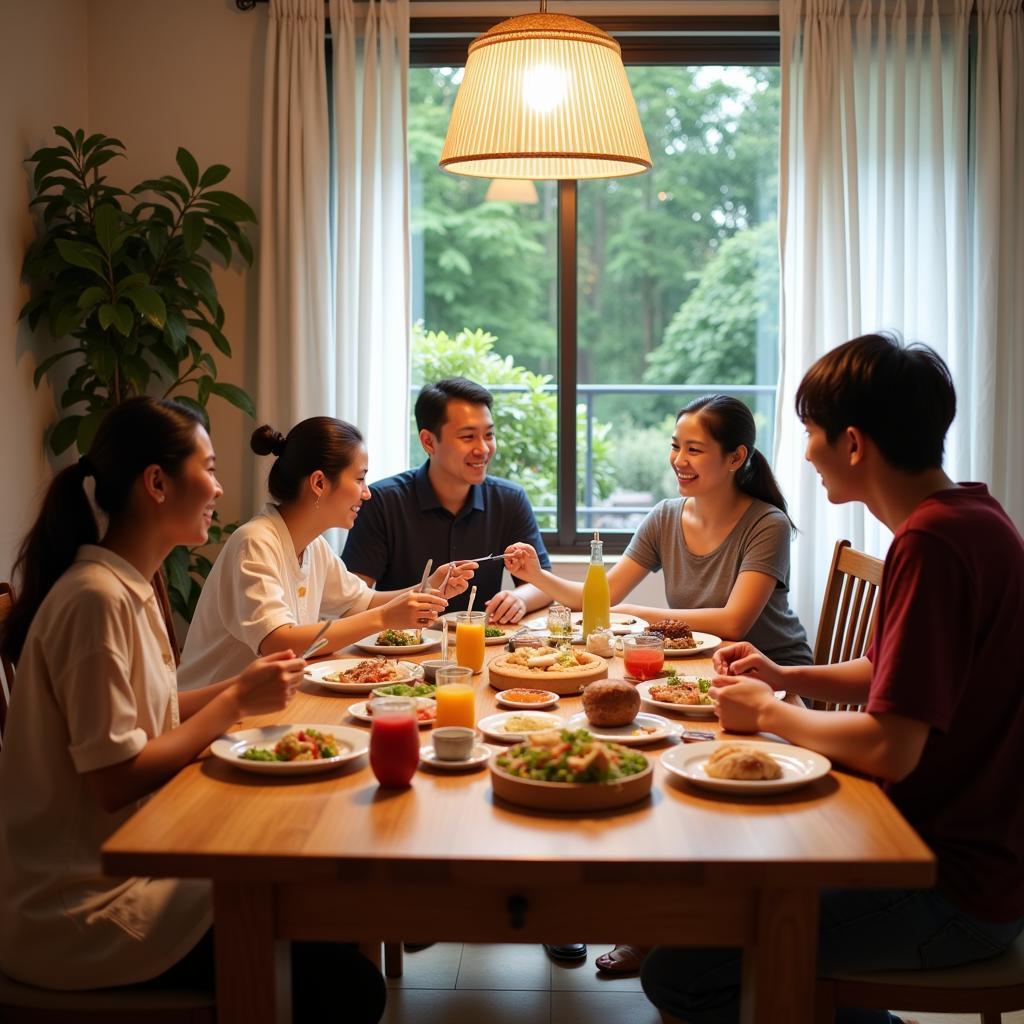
<point x="949" y="651"/>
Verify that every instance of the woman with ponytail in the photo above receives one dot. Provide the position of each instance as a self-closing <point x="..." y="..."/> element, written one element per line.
<point x="723" y="546"/>
<point x="277" y="577"/>
<point x="96" y="723"/>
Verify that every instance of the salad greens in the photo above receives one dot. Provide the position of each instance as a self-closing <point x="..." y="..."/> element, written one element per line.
<point x="406" y="690"/>
<point x="567" y="756"/>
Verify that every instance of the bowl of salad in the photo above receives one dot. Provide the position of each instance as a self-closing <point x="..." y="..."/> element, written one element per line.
<point x="565" y="770"/>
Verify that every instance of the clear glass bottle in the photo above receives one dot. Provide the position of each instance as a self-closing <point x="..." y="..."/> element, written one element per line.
<point x="596" y="596"/>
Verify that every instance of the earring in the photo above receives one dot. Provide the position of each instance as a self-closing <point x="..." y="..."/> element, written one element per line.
<point x="316" y="504"/>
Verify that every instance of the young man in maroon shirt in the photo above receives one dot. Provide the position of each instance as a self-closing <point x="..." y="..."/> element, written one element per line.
<point x="942" y="686"/>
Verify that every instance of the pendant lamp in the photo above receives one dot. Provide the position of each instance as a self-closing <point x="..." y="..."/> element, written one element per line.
<point x="512" y="190"/>
<point x="545" y="96"/>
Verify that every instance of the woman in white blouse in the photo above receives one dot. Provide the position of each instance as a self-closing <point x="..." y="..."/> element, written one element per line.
<point x="277" y="577"/>
<point x="96" y="723"/>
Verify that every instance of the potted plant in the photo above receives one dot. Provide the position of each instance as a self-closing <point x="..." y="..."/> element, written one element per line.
<point x="123" y="281"/>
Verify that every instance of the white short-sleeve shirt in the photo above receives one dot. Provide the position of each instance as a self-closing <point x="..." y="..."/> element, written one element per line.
<point x="94" y="684"/>
<point x="256" y="586"/>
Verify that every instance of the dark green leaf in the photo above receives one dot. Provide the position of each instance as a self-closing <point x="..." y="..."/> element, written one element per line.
<point x="88" y="427"/>
<point x="99" y="158"/>
<point x="175" y="331"/>
<point x="215" y="333"/>
<point x="245" y="248"/>
<point x="65" y="134"/>
<point x="106" y="315"/>
<point x="48" y="362"/>
<point x="93" y="140"/>
<point x="235" y="395"/>
<point x="149" y="304"/>
<point x="201" y="281"/>
<point x="91" y="296"/>
<point x="189" y="167"/>
<point x="176" y="567"/>
<point x="219" y="241"/>
<point x="229" y="205"/>
<point x="123" y="319"/>
<point x="204" y="389"/>
<point x="163" y="354"/>
<point x="192" y="229"/>
<point x="31" y="306"/>
<point x="66" y="320"/>
<point x="64" y="433"/>
<point x="213" y="175"/>
<point x="102" y="359"/>
<point x="81" y="254"/>
<point x="136" y="370"/>
<point x="107" y="223"/>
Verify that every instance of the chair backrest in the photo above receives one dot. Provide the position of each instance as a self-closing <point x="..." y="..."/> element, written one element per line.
<point x="6" y="668"/>
<point x="848" y="609"/>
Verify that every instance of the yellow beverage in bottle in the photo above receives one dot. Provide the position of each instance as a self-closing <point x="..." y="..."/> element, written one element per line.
<point x="469" y="640"/>
<point x="596" y="597"/>
<point x="456" y="705"/>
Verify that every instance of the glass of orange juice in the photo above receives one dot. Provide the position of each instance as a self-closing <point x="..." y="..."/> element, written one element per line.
<point x="456" y="704"/>
<point x="469" y="639"/>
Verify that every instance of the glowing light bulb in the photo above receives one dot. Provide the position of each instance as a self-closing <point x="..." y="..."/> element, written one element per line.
<point x="544" y="87"/>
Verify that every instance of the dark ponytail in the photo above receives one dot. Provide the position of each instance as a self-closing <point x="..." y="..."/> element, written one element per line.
<point x="321" y="442"/>
<point x="731" y="423"/>
<point x="137" y="433"/>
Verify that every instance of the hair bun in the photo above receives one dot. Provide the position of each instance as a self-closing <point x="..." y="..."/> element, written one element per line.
<point x="267" y="441"/>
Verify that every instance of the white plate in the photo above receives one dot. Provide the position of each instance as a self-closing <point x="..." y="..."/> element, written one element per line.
<point x="316" y="672"/>
<point x="477" y="757"/>
<point x="352" y="743"/>
<point x="621" y="625"/>
<point x="552" y="699"/>
<point x="493" y="726"/>
<point x="706" y="643"/>
<point x="431" y="639"/>
<point x="360" y="714"/>
<point x="697" y="710"/>
<point x="625" y="734"/>
<point x="799" y="766"/>
<point x="490" y="641"/>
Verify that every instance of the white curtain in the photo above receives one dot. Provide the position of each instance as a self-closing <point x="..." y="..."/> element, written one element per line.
<point x="900" y="207"/>
<point x="372" y="304"/>
<point x="295" y="304"/>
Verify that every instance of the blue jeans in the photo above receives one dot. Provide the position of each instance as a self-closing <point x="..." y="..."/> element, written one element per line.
<point x="858" y="931"/>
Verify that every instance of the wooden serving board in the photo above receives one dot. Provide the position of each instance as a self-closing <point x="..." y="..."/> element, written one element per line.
<point x="503" y="676"/>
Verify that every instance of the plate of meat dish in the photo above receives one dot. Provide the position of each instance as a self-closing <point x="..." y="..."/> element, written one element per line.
<point x="681" y="641"/>
<point x="291" y="749"/>
<point x="355" y="675"/>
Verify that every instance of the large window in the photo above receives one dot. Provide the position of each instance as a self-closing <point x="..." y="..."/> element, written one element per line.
<point x="672" y="293"/>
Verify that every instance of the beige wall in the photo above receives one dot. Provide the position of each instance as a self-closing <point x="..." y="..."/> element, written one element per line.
<point x="190" y="73"/>
<point x="157" y="75"/>
<point x="43" y="82"/>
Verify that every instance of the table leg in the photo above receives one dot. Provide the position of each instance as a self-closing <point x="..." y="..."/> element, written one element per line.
<point x="253" y="968"/>
<point x="779" y="968"/>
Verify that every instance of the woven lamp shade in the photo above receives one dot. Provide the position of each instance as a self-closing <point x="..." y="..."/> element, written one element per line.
<point x="545" y="96"/>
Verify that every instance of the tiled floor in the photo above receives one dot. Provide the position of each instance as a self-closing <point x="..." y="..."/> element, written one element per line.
<point x="453" y="984"/>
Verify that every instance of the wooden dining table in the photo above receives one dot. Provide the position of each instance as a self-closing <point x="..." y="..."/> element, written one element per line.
<point x="335" y="857"/>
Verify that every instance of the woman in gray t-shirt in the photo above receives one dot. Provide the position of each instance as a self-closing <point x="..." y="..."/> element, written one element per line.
<point x="723" y="544"/>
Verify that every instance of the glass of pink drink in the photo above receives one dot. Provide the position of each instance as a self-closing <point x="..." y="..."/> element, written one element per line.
<point x="394" y="741"/>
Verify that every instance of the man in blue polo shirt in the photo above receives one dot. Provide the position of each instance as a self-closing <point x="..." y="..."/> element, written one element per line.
<point x="449" y="508"/>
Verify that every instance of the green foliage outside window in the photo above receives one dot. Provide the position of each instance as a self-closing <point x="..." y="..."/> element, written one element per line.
<point x="525" y="420"/>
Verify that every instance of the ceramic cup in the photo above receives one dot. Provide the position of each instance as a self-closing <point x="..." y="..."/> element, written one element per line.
<point x="430" y="668"/>
<point x="453" y="742"/>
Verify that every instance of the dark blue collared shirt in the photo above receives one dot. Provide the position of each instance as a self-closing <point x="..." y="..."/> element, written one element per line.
<point x="403" y="524"/>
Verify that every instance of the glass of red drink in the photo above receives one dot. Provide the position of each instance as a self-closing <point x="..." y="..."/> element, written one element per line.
<point x="394" y="741"/>
<point x="643" y="655"/>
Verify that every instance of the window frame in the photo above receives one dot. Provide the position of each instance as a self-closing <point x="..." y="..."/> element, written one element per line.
<point x="678" y="39"/>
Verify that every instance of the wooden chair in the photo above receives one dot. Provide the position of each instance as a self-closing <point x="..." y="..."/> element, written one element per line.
<point x="989" y="988"/>
<point x="6" y="668"/>
<point x="847" y="611"/>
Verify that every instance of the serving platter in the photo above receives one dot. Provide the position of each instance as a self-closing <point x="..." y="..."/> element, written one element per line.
<point x="431" y="639"/>
<point x="570" y="796"/>
<point x="494" y="726"/>
<point x="628" y="735"/>
<point x="503" y="675"/>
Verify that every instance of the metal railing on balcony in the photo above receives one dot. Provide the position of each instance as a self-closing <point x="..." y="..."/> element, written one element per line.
<point x="760" y="396"/>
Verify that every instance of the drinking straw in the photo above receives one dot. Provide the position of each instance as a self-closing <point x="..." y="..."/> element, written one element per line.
<point x="472" y="598"/>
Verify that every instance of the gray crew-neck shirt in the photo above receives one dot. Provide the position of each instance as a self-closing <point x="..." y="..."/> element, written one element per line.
<point x="759" y="542"/>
